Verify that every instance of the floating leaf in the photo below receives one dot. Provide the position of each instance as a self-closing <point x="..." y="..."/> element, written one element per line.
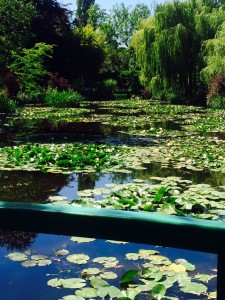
<point x="80" y="240"/>
<point x="17" y="256"/>
<point x="43" y="262"/>
<point x="132" y="256"/>
<point x="158" y="292"/>
<point x="55" y="282"/>
<point x="98" y="282"/>
<point x="73" y="283"/>
<point x="72" y="297"/>
<point x="212" y="295"/>
<point x="116" y="242"/>
<point x="128" y="294"/>
<point x="204" y="277"/>
<point x="175" y="268"/>
<point x="90" y="271"/>
<point x="62" y="252"/>
<point x="87" y="293"/>
<point x="78" y="259"/>
<point x="29" y="263"/>
<point x="38" y="257"/>
<point x="188" y="266"/>
<point x="108" y="275"/>
<point x="129" y="276"/>
<point x="193" y="288"/>
<point x="57" y="198"/>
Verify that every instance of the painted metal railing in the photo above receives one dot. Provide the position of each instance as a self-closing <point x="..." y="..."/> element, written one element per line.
<point x="138" y="227"/>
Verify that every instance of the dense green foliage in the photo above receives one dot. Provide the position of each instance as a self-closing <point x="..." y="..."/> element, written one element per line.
<point x="169" y="48"/>
<point x="29" y="66"/>
<point x="69" y="98"/>
<point x="68" y="157"/>
<point x="171" y="53"/>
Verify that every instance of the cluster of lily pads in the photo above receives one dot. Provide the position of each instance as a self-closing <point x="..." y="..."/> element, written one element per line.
<point x="171" y="196"/>
<point x="63" y="157"/>
<point x="152" y="274"/>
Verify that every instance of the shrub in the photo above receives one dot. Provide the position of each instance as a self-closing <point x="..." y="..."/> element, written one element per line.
<point x="216" y="94"/>
<point x="216" y="102"/>
<point x="7" y="105"/>
<point x="62" y="98"/>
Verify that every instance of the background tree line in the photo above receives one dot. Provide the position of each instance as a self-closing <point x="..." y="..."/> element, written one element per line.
<point x="173" y="51"/>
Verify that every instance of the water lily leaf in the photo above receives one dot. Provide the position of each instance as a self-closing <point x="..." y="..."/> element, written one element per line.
<point x="91" y="271"/>
<point x="72" y="297"/>
<point x="156" y="276"/>
<point x="193" y="288"/>
<point x="212" y="295"/>
<point x="43" y="262"/>
<point x="78" y="259"/>
<point x="104" y="259"/>
<point x="188" y="266"/>
<point x="159" y="260"/>
<point x="129" y="276"/>
<point x="138" y="180"/>
<point x="108" y="275"/>
<point x="38" y="257"/>
<point x="146" y="253"/>
<point x="55" y="282"/>
<point x="103" y="291"/>
<point x="98" y="282"/>
<point x="158" y="292"/>
<point x="175" y="268"/>
<point x="132" y="256"/>
<point x="17" y="256"/>
<point x="57" y="198"/>
<point x="204" y="277"/>
<point x="62" y="252"/>
<point x="73" y="283"/>
<point x="113" y="291"/>
<point x="116" y="242"/>
<point x="87" y="293"/>
<point x="80" y="240"/>
<point x="29" y="263"/>
<point x="129" y="294"/>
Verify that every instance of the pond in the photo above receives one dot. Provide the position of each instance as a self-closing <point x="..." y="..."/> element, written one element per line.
<point x="133" y="155"/>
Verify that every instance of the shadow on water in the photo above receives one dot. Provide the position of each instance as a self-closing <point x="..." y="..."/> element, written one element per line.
<point x="36" y="187"/>
<point x="208" y="177"/>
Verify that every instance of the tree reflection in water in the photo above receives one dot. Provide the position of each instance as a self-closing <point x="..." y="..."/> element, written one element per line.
<point x="15" y="240"/>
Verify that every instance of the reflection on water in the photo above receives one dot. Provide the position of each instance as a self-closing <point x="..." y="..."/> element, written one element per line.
<point x="15" y="240"/>
<point x="22" y="186"/>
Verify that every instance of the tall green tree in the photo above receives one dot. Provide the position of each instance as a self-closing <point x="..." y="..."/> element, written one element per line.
<point x="168" y="47"/>
<point x="82" y="11"/>
<point x="96" y="16"/>
<point x="15" y="27"/>
<point x="124" y="20"/>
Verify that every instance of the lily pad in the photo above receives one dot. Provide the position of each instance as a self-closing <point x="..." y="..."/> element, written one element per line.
<point x="17" y="256"/>
<point x="87" y="293"/>
<point x="62" y="252"/>
<point x="78" y="259"/>
<point x="80" y="240"/>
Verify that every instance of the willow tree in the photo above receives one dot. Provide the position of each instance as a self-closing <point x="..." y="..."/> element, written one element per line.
<point x="169" y="56"/>
<point x="214" y="55"/>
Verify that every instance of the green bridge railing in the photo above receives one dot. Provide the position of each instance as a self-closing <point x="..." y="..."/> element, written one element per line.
<point x="139" y="227"/>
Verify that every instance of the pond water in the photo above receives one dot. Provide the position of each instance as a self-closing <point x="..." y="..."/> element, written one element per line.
<point x="39" y="187"/>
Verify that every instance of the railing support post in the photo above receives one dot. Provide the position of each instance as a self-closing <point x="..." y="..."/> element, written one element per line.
<point x="221" y="276"/>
